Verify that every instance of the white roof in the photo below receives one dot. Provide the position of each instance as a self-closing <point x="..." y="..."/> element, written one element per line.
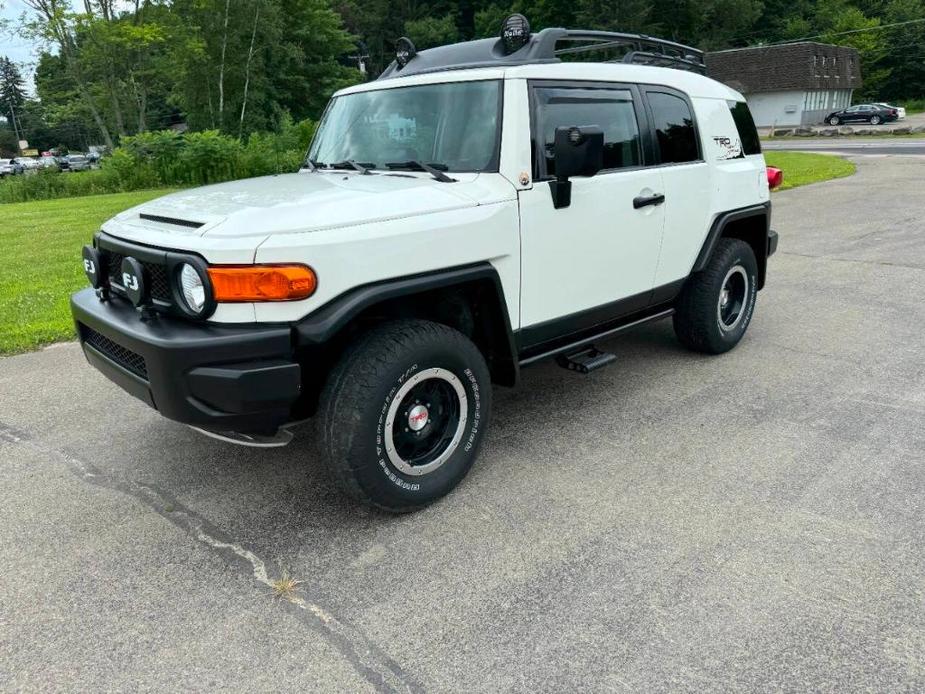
<point x="690" y="83"/>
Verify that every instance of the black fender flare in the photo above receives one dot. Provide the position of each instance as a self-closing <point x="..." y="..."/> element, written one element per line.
<point x="323" y="324"/>
<point x="720" y="224"/>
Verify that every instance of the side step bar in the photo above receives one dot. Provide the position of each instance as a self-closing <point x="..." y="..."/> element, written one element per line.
<point x="586" y="361"/>
<point x="579" y="344"/>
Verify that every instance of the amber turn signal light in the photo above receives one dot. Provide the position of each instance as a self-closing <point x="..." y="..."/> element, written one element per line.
<point x="262" y="282"/>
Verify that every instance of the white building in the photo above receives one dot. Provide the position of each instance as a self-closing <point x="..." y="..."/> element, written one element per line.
<point x="790" y="84"/>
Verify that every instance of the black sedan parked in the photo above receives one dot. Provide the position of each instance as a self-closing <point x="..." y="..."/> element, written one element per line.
<point x="875" y="114"/>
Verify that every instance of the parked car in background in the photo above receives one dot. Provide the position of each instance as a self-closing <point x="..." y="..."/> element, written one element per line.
<point x="28" y="164"/>
<point x="7" y="168"/>
<point x="875" y="114"/>
<point x="78" y="162"/>
<point x="49" y="162"/>
<point x="900" y="111"/>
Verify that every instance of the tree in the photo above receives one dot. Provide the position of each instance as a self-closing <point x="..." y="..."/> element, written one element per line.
<point x="12" y="93"/>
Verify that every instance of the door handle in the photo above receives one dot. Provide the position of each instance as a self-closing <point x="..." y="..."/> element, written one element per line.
<point x="646" y="200"/>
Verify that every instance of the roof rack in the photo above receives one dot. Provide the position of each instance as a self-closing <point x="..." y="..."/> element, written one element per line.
<point x="544" y="47"/>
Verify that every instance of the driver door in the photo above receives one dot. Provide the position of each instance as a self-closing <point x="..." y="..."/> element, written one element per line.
<point x="595" y="259"/>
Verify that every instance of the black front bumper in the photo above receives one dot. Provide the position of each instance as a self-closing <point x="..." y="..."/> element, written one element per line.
<point x="218" y="377"/>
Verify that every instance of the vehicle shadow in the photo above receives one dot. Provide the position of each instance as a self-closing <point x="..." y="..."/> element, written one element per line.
<point x="283" y="499"/>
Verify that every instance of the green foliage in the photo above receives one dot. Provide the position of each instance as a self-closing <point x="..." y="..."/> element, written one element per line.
<point x="34" y="295"/>
<point x="168" y="158"/>
<point x="112" y="71"/>
<point x="432" y="31"/>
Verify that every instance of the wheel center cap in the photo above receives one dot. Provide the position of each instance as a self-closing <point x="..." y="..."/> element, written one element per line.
<point x="418" y="417"/>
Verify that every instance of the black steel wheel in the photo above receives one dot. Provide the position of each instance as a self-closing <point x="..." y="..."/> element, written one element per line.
<point x="404" y="413"/>
<point x="716" y="305"/>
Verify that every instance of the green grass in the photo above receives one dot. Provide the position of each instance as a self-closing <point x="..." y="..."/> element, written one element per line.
<point x="42" y="264"/>
<point x="802" y="168"/>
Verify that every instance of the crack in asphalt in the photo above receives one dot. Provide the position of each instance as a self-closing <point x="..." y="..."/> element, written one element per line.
<point x="369" y="661"/>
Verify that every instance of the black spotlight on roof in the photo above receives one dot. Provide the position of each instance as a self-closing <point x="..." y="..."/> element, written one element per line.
<point x="515" y="33"/>
<point x="404" y="51"/>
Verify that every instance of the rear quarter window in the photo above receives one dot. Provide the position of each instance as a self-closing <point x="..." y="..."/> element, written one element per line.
<point x="674" y="128"/>
<point x="745" y="124"/>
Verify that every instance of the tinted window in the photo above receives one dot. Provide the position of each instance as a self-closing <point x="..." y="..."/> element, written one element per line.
<point x="748" y="133"/>
<point x="610" y="109"/>
<point x="674" y="127"/>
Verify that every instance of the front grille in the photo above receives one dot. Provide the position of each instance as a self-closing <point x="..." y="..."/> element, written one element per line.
<point x="122" y="356"/>
<point x="156" y="276"/>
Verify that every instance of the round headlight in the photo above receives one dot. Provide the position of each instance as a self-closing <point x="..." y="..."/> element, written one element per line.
<point x="192" y="288"/>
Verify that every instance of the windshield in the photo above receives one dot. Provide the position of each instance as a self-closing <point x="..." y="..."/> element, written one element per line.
<point x="452" y="126"/>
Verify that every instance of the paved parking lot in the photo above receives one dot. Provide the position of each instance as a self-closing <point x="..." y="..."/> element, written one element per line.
<point x="675" y="522"/>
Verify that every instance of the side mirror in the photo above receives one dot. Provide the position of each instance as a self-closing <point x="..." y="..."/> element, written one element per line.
<point x="577" y="151"/>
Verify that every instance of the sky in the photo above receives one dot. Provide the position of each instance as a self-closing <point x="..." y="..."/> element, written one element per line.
<point x="13" y="45"/>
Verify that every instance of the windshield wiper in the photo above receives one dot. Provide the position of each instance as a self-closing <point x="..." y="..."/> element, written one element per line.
<point x="414" y="165"/>
<point x="312" y="164"/>
<point x="363" y="168"/>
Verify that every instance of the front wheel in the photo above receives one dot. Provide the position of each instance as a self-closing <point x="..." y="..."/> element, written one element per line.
<point x="716" y="304"/>
<point x="875" y="120"/>
<point x="404" y="414"/>
<point x="834" y="120"/>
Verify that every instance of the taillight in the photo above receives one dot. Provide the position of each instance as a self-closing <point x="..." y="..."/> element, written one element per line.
<point x="775" y="177"/>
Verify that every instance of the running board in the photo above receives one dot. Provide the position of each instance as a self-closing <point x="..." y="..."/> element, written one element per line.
<point x="578" y="345"/>
<point x="587" y="360"/>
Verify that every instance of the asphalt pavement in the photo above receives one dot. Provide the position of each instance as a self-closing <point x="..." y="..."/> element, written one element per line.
<point x="850" y="146"/>
<point x="675" y="522"/>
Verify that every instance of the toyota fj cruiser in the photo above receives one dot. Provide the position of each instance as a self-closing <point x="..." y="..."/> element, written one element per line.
<point x="478" y="208"/>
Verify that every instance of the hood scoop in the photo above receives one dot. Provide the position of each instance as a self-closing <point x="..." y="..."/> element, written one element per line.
<point x="160" y="219"/>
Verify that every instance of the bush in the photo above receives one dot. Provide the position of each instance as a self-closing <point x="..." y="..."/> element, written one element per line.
<point x="168" y="158"/>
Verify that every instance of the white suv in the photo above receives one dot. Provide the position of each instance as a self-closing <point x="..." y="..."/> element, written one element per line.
<point x="478" y="208"/>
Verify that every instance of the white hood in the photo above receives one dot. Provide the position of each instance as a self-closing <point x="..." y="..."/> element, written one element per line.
<point x="306" y="201"/>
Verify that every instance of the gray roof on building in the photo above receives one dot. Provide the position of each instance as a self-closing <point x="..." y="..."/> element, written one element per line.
<point x="788" y="66"/>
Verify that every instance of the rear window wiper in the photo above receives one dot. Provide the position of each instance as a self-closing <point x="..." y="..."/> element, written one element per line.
<point x="414" y="165"/>
<point x="363" y="168"/>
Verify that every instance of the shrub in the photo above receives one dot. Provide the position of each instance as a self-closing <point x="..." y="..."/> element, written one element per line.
<point x="168" y="158"/>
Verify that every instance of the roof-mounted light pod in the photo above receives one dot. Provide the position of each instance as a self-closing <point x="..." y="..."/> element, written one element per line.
<point x="404" y="51"/>
<point x="515" y="33"/>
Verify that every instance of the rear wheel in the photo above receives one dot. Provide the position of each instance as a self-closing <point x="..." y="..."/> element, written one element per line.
<point x="875" y="120"/>
<point x="716" y="304"/>
<point x="404" y="414"/>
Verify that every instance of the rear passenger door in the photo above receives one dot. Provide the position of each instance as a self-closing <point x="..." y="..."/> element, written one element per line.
<point x="686" y="181"/>
<point x="594" y="260"/>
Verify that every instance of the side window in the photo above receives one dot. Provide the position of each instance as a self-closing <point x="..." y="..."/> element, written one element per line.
<point x="748" y="133"/>
<point x="610" y="109"/>
<point x="674" y="128"/>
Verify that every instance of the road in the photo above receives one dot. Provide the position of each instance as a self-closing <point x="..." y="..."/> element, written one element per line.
<point x="674" y="522"/>
<point x="894" y="146"/>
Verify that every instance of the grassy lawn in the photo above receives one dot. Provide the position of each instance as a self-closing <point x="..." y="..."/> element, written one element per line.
<point x="42" y="267"/>
<point x="801" y="168"/>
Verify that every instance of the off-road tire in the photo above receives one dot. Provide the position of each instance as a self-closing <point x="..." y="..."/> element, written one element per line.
<point x="697" y="319"/>
<point x="357" y="401"/>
